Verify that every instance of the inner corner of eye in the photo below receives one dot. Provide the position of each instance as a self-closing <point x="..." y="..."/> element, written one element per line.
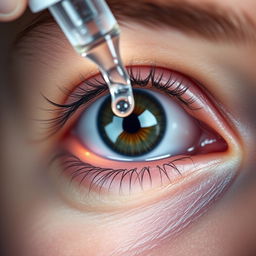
<point x="159" y="129"/>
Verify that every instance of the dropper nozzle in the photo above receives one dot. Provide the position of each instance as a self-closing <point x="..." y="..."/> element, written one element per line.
<point x="123" y="107"/>
<point x="106" y="56"/>
<point x="122" y="100"/>
<point x="94" y="33"/>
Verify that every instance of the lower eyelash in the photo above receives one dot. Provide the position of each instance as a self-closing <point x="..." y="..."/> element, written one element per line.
<point x="84" y="170"/>
<point x="89" y="89"/>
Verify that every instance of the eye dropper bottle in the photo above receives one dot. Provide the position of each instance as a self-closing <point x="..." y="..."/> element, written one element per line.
<point x="93" y="31"/>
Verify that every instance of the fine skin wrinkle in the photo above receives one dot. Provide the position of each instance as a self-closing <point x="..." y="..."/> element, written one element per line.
<point x="167" y="219"/>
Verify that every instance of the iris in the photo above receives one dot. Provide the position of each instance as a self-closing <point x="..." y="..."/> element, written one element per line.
<point x="136" y="134"/>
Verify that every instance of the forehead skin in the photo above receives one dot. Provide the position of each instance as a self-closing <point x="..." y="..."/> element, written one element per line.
<point x="235" y="4"/>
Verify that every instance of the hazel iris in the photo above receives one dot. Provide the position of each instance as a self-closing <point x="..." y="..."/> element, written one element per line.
<point x="136" y="134"/>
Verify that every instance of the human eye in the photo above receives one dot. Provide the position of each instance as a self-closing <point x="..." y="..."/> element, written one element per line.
<point x="175" y="134"/>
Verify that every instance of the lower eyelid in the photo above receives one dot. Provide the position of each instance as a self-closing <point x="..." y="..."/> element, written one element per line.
<point x="162" y="172"/>
<point x="217" y="166"/>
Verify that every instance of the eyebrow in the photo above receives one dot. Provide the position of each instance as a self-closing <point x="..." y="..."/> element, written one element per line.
<point x="209" y="21"/>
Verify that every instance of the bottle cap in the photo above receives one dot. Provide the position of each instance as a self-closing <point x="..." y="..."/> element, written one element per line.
<point x="39" y="5"/>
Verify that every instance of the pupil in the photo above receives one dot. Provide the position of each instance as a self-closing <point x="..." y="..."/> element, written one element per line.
<point x="137" y="134"/>
<point x="131" y="123"/>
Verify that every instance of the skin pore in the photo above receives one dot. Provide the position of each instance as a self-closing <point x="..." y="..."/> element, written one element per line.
<point x="43" y="63"/>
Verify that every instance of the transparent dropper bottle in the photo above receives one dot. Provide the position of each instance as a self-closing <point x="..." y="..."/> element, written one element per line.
<point x="94" y="33"/>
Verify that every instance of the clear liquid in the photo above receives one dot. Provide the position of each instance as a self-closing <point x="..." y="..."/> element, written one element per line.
<point x="105" y="54"/>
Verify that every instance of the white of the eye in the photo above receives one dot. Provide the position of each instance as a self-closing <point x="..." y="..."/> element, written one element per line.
<point x="181" y="131"/>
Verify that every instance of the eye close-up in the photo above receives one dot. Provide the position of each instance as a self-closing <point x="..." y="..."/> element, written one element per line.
<point x="173" y="132"/>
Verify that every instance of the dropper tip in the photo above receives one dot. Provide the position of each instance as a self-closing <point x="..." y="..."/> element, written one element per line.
<point x="123" y="105"/>
<point x="123" y="108"/>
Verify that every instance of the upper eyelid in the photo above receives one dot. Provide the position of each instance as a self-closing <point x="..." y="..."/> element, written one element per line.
<point x="91" y="89"/>
<point x="201" y="95"/>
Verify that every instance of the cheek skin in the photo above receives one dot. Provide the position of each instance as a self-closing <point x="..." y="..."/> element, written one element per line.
<point x="166" y="220"/>
<point x="60" y="231"/>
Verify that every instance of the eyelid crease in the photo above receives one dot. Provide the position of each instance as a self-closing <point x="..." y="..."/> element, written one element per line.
<point x="91" y="88"/>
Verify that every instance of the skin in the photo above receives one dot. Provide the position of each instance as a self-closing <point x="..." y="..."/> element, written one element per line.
<point x="11" y="10"/>
<point x="42" y="221"/>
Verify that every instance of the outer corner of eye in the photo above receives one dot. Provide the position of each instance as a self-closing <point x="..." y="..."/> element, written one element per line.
<point x="175" y="141"/>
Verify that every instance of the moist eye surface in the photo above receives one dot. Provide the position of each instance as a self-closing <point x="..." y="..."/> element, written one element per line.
<point x="136" y="134"/>
<point x="157" y="128"/>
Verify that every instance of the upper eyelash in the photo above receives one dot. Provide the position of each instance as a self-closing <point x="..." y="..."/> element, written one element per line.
<point x="156" y="81"/>
<point x="89" y="89"/>
<point x="83" y="95"/>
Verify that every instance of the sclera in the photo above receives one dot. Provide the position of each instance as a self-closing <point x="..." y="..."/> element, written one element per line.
<point x="181" y="131"/>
